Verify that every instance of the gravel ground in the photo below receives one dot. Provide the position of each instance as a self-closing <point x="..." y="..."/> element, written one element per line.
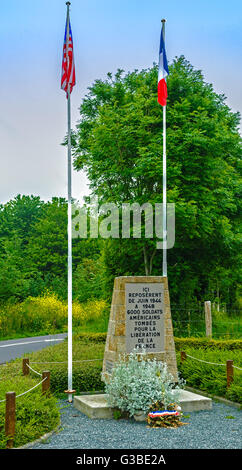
<point x="219" y="428"/>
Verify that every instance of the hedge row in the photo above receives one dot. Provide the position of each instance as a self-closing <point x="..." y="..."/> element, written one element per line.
<point x="93" y="337"/>
<point x="209" y="377"/>
<point x="180" y="343"/>
<point x="211" y="344"/>
<point x="85" y="379"/>
<point x="87" y="376"/>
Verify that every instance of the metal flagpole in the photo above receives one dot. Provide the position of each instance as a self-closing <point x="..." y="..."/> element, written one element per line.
<point x="164" y="264"/>
<point x="69" y="223"/>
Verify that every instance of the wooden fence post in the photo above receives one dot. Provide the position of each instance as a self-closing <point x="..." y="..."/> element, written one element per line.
<point x="230" y="373"/>
<point x="183" y="356"/>
<point x="25" y="366"/>
<point x="208" y="318"/>
<point x="10" y="417"/>
<point x="46" y="383"/>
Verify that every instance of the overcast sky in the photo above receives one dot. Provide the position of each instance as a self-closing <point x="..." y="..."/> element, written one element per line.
<point x="107" y="34"/>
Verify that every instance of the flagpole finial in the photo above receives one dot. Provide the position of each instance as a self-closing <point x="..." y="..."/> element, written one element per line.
<point x="68" y="3"/>
<point x="163" y="21"/>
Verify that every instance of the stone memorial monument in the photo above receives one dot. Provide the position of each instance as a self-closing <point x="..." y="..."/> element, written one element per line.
<point x="140" y="317"/>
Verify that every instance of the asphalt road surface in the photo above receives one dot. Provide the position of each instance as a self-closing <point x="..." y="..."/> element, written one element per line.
<point x="14" y="348"/>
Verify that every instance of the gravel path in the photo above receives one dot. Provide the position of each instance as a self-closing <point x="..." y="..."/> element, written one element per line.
<point x="219" y="428"/>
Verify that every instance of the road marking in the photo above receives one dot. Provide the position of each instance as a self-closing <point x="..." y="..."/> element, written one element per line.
<point x="30" y="342"/>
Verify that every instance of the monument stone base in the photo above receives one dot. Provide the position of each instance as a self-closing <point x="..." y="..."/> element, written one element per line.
<point x="96" y="407"/>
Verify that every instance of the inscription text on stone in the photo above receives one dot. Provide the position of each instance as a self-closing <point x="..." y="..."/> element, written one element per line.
<point x="144" y="316"/>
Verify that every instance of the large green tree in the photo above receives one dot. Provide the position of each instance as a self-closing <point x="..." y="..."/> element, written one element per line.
<point x="118" y="142"/>
<point x="33" y="251"/>
<point x="17" y="219"/>
<point x="47" y="249"/>
<point x="18" y="216"/>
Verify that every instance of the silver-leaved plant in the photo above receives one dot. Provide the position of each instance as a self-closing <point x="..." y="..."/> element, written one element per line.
<point x="138" y="382"/>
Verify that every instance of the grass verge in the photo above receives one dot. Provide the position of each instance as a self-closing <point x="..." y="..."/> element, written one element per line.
<point x="211" y="378"/>
<point x="37" y="415"/>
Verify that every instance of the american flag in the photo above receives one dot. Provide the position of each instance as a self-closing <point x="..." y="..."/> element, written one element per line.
<point x="68" y="76"/>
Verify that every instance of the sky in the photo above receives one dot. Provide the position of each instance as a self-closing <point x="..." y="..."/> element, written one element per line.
<point x="107" y="35"/>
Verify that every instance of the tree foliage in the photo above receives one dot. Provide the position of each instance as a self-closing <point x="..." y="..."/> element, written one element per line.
<point x="118" y="143"/>
<point x="33" y="251"/>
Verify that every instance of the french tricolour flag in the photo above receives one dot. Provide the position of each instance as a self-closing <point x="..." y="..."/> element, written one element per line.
<point x="159" y="414"/>
<point x="163" y="72"/>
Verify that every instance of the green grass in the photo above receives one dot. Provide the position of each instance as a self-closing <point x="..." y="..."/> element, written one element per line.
<point x="92" y="326"/>
<point x="31" y="334"/>
<point x="47" y="314"/>
<point x="182" y="344"/>
<point x="35" y="414"/>
<point x="43" y="317"/>
<point x="86" y="375"/>
<point x="212" y="378"/>
<point x="227" y="327"/>
<point x="100" y="325"/>
<point x="223" y="327"/>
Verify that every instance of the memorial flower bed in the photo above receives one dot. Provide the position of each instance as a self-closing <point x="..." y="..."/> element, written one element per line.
<point x="137" y="383"/>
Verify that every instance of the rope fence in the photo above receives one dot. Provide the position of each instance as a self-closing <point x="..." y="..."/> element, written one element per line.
<point x="35" y="371"/>
<point x="10" y="400"/>
<point x="229" y="366"/>
<point x="30" y="390"/>
<point x="27" y="391"/>
<point x="200" y="360"/>
<point x="206" y="362"/>
<point x="65" y="362"/>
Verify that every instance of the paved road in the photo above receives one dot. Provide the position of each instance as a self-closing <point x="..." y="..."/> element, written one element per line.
<point x="14" y="348"/>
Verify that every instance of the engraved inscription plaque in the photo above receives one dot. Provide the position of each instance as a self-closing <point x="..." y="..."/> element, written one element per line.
<point x="140" y="317"/>
<point x="144" y="316"/>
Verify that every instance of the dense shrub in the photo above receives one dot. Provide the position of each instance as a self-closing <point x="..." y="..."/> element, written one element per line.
<point x="47" y="314"/>
<point x="180" y="343"/>
<point x="85" y="379"/>
<point x="137" y="383"/>
<point x="205" y="343"/>
<point x="87" y="365"/>
<point x="93" y="337"/>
